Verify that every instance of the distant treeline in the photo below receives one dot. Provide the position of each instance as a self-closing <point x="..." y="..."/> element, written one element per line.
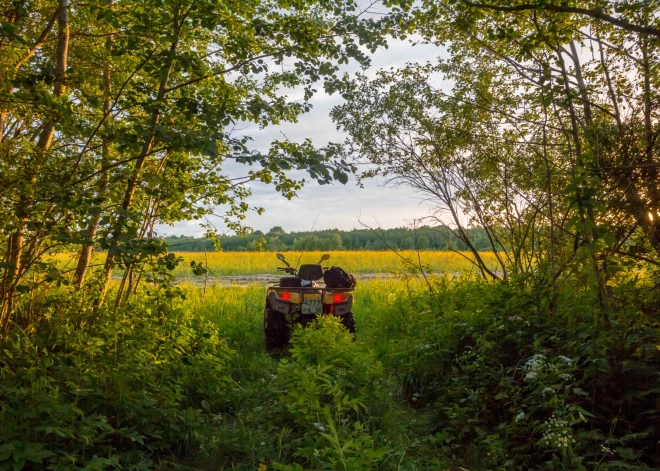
<point x="425" y="238"/>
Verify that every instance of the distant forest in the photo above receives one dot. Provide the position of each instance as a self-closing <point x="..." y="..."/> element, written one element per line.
<point x="276" y="239"/>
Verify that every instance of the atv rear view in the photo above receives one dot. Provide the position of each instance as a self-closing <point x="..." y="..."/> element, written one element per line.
<point x="300" y="299"/>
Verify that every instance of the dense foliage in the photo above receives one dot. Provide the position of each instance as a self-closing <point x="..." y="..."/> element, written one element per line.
<point x="470" y="374"/>
<point x="539" y="122"/>
<point x="535" y="133"/>
<point x="117" y="116"/>
<point x="467" y="374"/>
<point x="115" y="389"/>
<point x="513" y="386"/>
<point x="276" y="239"/>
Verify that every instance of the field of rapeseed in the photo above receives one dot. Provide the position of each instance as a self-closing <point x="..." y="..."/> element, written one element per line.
<point x="363" y="261"/>
<point x="253" y="263"/>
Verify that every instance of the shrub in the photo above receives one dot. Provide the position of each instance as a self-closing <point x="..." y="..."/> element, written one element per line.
<point x="327" y="387"/>
<point x="121" y="389"/>
<point x="515" y="387"/>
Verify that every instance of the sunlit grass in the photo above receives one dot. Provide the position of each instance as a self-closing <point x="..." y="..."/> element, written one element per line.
<point x="238" y="310"/>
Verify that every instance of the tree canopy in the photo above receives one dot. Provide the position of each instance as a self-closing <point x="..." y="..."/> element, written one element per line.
<point x="403" y="238"/>
<point x="118" y="116"/>
<point x="539" y="123"/>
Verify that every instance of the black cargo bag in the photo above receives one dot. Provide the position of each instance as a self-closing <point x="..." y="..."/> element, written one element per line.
<point x="335" y="277"/>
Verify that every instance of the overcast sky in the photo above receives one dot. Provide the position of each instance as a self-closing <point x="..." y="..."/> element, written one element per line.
<point x="339" y="206"/>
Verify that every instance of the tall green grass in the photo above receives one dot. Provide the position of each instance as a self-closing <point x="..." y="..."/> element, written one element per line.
<point x="238" y="313"/>
<point x="472" y="375"/>
<point x="238" y="310"/>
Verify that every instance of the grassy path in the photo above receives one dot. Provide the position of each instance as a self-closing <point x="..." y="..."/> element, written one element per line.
<point x="238" y="313"/>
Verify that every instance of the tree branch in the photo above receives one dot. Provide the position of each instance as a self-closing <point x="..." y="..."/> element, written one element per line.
<point x="596" y="14"/>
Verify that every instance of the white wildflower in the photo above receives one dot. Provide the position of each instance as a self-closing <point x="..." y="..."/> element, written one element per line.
<point x="533" y="366"/>
<point x="531" y="376"/>
<point x="557" y="433"/>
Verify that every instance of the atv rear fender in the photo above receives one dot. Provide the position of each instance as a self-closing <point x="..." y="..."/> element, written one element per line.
<point x="339" y="301"/>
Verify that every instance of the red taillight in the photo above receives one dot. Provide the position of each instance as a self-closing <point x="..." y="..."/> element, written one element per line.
<point x="286" y="296"/>
<point x="339" y="298"/>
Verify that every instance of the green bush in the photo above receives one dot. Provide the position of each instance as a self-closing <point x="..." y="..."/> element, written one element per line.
<point x="326" y="389"/>
<point x="471" y="375"/>
<point x="514" y="386"/>
<point x="121" y="389"/>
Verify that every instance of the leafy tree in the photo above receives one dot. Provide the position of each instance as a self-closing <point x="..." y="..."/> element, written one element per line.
<point x="311" y="242"/>
<point x="275" y="231"/>
<point x="347" y="242"/>
<point x="273" y="243"/>
<point x="422" y="243"/>
<point x="116" y="117"/>
<point x="407" y="244"/>
<point x="334" y="242"/>
<point x="543" y="133"/>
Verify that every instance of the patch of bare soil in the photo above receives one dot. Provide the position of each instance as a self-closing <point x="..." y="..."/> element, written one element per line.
<point x="245" y="280"/>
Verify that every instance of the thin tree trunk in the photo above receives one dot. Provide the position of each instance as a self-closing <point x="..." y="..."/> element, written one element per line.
<point x="15" y="242"/>
<point x="118" y="226"/>
<point x="584" y="94"/>
<point x="585" y="208"/>
<point x="548" y="174"/>
<point x="87" y="250"/>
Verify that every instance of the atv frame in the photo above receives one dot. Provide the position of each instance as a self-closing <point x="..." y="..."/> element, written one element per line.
<point x="290" y="305"/>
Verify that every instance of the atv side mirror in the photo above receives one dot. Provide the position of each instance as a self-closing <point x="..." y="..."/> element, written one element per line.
<point x="281" y="257"/>
<point x="325" y="257"/>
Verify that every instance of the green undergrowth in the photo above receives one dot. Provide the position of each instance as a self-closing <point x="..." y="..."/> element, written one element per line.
<point x="120" y="389"/>
<point x="461" y="374"/>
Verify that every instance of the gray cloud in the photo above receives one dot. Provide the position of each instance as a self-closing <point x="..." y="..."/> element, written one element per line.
<point x="339" y="205"/>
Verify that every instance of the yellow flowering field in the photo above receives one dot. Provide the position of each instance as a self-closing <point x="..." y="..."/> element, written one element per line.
<point x="256" y="263"/>
<point x="252" y="263"/>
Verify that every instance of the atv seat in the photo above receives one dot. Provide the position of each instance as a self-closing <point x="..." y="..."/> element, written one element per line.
<point x="310" y="272"/>
<point x="290" y="282"/>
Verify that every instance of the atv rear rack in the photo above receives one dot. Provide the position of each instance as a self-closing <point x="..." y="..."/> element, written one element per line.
<point x="302" y="289"/>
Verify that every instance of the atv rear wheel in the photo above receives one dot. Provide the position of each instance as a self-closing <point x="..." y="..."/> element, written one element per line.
<point x="276" y="331"/>
<point x="348" y="321"/>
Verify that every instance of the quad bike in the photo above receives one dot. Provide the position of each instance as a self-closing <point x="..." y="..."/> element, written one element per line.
<point x="299" y="299"/>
